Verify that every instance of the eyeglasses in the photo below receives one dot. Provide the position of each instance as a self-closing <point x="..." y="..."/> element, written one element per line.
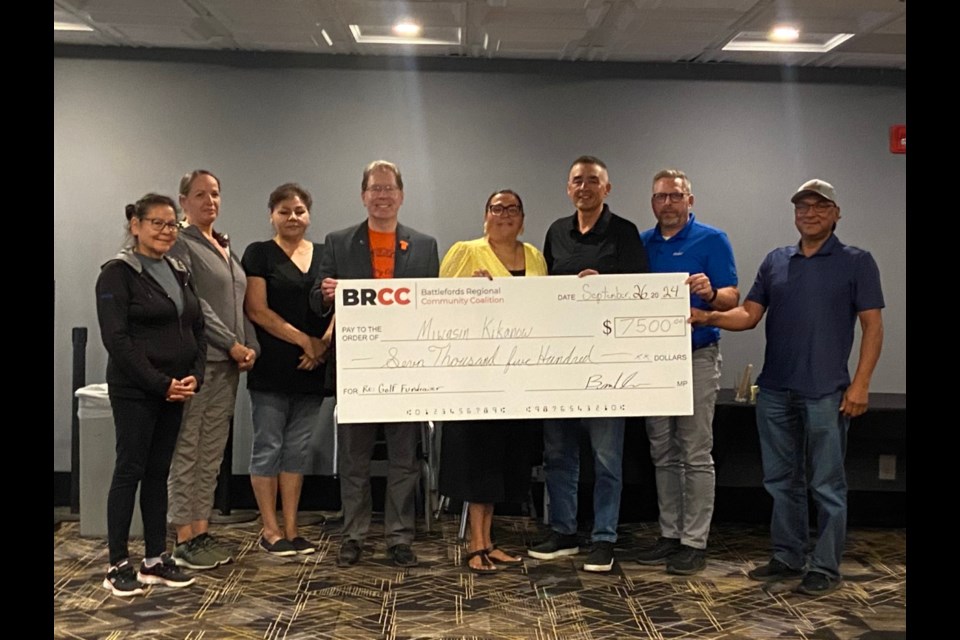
<point x="821" y="206"/>
<point x="383" y="188"/>
<point x="500" y="210"/>
<point x="160" y="225"/>
<point x="674" y="197"/>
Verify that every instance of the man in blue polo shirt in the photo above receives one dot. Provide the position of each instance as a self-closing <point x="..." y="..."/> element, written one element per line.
<point x="681" y="446"/>
<point x="813" y="292"/>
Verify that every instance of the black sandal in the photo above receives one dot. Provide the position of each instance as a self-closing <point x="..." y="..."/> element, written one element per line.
<point x="510" y="563"/>
<point x="488" y="565"/>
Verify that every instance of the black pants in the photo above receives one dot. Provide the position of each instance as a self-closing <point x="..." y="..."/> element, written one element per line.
<point x="489" y="461"/>
<point x="146" y="437"/>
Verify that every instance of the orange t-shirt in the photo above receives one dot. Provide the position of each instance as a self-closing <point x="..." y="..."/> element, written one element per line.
<point x="383" y="247"/>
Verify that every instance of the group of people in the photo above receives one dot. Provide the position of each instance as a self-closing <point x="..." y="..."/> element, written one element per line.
<point x="181" y="318"/>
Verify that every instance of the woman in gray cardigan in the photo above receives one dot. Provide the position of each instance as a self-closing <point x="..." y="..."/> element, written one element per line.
<point x="232" y="348"/>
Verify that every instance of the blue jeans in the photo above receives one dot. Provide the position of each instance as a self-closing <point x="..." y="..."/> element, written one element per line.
<point x="561" y="459"/>
<point x="800" y="437"/>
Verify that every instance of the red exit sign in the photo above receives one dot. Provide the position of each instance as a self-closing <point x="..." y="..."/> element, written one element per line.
<point x="898" y="138"/>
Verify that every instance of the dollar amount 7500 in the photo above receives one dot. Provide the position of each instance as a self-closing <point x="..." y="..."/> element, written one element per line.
<point x="646" y="327"/>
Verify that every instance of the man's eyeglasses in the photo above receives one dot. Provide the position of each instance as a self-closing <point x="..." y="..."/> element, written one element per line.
<point x="160" y="225"/>
<point x="821" y="206"/>
<point x="500" y="210"/>
<point x="674" y="197"/>
<point x="383" y="188"/>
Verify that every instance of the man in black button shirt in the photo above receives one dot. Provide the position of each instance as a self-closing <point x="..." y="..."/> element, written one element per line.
<point x="592" y="241"/>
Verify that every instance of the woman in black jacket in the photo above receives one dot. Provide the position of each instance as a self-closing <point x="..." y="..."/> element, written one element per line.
<point x="152" y="327"/>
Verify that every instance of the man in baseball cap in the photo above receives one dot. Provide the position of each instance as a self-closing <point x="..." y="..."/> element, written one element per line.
<point x="818" y="187"/>
<point x="813" y="294"/>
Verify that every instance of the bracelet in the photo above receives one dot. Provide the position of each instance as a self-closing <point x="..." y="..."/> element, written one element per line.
<point x="714" y="296"/>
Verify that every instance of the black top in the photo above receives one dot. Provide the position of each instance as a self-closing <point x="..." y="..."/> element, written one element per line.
<point x="613" y="245"/>
<point x="288" y="295"/>
<point x="148" y="341"/>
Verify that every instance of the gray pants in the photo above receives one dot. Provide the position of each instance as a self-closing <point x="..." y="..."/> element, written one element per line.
<point x="201" y="443"/>
<point x="681" y="447"/>
<point x="403" y="473"/>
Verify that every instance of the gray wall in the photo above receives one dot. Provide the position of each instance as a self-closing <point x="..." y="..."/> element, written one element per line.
<point x="122" y="128"/>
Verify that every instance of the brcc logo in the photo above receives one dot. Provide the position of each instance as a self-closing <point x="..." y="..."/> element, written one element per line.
<point x="385" y="296"/>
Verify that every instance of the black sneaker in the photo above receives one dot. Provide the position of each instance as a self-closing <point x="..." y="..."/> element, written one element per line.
<point x="818" y="584"/>
<point x="555" y="546"/>
<point x="658" y="553"/>
<point x="600" y="559"/>
<point x="165" y="572"/>
<point x="303" y="546"/>
<point x="281" y="547"/>
<point x="774" y="571"/>
<point x="122" y="581"/>
<point x="687" y="561"/>
<point x="402" y="555"/>
<point x="349" y="553"/>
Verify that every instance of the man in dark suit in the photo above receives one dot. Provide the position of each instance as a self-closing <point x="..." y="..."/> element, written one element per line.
<point x="379" y="247"/>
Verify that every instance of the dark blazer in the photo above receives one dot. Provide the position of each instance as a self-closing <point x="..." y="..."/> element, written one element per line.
<point x="346" y="255"/>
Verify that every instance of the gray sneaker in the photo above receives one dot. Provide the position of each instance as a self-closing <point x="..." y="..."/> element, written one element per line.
<point x="216" y="548"/>
<point x="195" y="554"/>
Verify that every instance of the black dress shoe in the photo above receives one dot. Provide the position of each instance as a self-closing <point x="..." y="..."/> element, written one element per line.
<point x="402" y="555"/>
<point x="349" y="553"/>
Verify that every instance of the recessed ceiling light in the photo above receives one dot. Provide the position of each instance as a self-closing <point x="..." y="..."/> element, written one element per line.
<point x="326" y="36"/>
<point x="384" y="34"/>
<point x="71" y="26"/>
<point x="805" y="43"/>
<point x="407" y="29"/>
<point x="784" y="33"/>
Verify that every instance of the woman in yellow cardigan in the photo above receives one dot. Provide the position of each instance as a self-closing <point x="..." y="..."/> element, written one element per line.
<point x="488" y="462"/>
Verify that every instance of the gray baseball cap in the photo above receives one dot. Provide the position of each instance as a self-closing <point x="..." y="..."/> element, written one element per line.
<point x="817" y="186"/>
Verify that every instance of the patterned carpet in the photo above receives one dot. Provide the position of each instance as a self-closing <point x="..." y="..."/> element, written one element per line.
<point x="264" y="597"/>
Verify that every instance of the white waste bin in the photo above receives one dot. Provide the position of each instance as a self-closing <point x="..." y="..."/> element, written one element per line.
<point x="97" y="456"/>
